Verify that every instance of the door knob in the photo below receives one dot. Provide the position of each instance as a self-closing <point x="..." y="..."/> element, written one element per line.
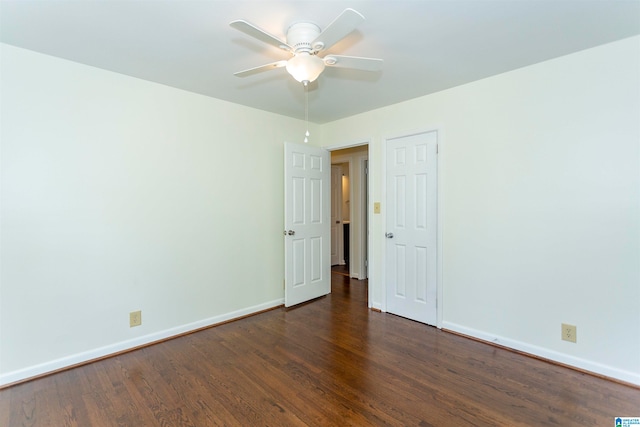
<point x="388" y="235"/>
<point x="291" y="232"/>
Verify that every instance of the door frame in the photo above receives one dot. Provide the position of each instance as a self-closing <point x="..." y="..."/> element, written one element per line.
<point x="366" y="211"/>
<point x="440" y="216"/>
<point x="339" y="228"/>
<point x="364" y="217"/>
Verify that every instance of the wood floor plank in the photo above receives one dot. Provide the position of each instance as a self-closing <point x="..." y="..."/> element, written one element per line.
<point x="329" y="362"/>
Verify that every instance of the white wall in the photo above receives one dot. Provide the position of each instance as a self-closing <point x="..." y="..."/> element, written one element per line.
<point x="540" y="186"/>
<point x="120" y="195"/>
<point x="346" y="210"/>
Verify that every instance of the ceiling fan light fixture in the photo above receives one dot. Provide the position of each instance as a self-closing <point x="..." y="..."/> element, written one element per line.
<point x="305" y="67"/>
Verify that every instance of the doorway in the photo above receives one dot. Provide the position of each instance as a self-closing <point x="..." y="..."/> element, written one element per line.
<point x="349" y="197"/>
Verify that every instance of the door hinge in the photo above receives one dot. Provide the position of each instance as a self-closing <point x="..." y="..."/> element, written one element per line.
<point x="437" y="148"/>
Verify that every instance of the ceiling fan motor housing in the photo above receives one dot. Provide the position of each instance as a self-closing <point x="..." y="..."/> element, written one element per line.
<point x="300" y="36"/>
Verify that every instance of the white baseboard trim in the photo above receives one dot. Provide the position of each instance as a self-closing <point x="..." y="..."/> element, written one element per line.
<point x="377" y="306"/>
<point x="88" y="356"/>
<point x="584" y="364"/>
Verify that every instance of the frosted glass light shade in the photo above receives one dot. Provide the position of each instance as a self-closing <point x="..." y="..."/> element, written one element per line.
<point x="305" y="67"/>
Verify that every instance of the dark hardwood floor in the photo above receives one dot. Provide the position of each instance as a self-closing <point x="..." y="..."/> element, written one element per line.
<point x="328" y="362"/>
<point x="340" y="269"/>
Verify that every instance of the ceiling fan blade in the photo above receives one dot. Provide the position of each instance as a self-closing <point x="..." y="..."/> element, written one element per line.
<point x="355" y="62"/>
<point x="345" y="23"/>
<point x="260" y="34"/>
<point x="260" y="69"/>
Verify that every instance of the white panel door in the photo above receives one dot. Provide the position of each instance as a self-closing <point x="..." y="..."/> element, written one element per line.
<point x="336" y="214"/>
<point x="411" y="224"/>
<point x="306" y="221"/>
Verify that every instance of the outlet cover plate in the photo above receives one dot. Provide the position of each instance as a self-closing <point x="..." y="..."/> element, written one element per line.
<point x="135" y="318"/>
<point x="569" y="332"/>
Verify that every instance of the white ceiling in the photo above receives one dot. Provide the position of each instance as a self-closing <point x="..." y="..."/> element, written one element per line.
<point x="427" y="45"/>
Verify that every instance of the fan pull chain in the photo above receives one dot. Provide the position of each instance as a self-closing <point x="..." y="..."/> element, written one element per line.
<point x="306" y="109"/>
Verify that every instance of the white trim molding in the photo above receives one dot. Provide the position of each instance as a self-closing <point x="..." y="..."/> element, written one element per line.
<point x="555" y="356"/>
<point x="113" y="349"/>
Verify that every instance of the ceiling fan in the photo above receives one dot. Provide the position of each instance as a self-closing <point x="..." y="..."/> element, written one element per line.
<point x="304" y="42"/>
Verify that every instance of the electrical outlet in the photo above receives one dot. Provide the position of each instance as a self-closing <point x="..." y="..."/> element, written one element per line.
<point x="376" y="207"/>
<point x="135" y="318"/>
<point x="569" y="333"/>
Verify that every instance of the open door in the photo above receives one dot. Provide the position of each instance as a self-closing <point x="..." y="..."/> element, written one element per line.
<point x="307" y="237"/>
